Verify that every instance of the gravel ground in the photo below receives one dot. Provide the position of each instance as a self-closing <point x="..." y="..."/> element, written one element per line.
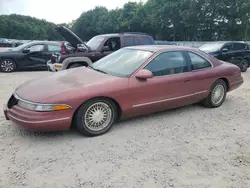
<point x="190" y="147"/>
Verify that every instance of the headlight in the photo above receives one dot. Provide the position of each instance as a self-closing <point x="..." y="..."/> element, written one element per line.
<point x="42" y="107"/>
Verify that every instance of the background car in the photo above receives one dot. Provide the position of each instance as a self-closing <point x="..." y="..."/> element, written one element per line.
<point x="237" y="53"/>
<point x="30" y="55"/>
<point x="95" y="49"/>
<point x="132" y="81"/>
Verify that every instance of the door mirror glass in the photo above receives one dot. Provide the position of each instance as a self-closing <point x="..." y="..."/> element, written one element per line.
<point x="224" y="50"/>
<point x="26" y="50"/>
<point x="144" y="74"/>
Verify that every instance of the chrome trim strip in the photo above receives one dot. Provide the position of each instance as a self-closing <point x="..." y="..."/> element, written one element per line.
<point x="45" y="121"/>
<point x="170" y="99"/>
<point x="33" y="103"/>
<point x="236" y="82"/>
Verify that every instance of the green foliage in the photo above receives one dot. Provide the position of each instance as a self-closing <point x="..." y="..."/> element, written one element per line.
<point x="164" y="19"/>
<point x="172" y="20"/>
<point x="25" y="27"/>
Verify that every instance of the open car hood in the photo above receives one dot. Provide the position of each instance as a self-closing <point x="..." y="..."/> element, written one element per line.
<point x="71" y="37"/>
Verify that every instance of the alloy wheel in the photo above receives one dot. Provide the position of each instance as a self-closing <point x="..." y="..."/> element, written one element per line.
<point x="98" y="116"/>
<point x="218" y="94"/>
<point x="7" y="66"/>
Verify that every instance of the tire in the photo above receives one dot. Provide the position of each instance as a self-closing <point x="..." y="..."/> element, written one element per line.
<point x="7" y="66"/>
<point x="75" y="65"/>
<point x="244" y="65"/>
<point x="88" y="129"/>
<point x="218" y="85"/>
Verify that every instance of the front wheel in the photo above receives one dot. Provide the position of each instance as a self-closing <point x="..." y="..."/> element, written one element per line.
<point x="217" y="95"/>
<point x="96" y="117"/>
<point x="7" y="65"/>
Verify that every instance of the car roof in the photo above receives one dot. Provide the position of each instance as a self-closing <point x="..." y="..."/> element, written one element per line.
<point x="43" y="42"/>
<point x="156" y="48"/>
<point x="125" y="34"/>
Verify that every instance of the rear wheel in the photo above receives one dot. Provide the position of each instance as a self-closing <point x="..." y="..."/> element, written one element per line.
<point x="96" y="117"/>
<point x="244" y="64"/>
<point x="217" y="95"/>
<point x="7" y="65"/>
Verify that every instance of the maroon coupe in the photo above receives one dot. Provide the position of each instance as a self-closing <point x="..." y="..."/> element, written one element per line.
<point x="129" y="82"/>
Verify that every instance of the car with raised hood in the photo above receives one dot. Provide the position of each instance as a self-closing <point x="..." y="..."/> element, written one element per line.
<point x="132" y="81"/>
<point x="96" y="48"/>
<point x="235" y="52"/>
<point x="28" y="56"/>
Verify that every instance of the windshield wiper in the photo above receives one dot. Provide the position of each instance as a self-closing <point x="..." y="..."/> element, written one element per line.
<point x="98" y="70"/>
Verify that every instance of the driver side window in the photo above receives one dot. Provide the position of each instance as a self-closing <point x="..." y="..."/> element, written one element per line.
<point x="228" y="46"/>
<point x="168" y="63"/>
<point x="37" y="48"/>
<point x="112" y="44"/>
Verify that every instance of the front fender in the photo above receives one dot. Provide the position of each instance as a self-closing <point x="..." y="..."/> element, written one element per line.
<point x="66" y="62"/>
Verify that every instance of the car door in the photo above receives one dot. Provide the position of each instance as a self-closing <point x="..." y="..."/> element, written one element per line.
<point x="202" y="76"/>
<point x="107" y="47"/>
<point x="35" y="56"/>
<point x="50" y="49"/>
<point x="169" y="87"/>
<point x="227" y="52"/>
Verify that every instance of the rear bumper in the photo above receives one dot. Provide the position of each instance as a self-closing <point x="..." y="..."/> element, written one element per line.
<point x="38" y="121"/>
<point x="236" y="84"/>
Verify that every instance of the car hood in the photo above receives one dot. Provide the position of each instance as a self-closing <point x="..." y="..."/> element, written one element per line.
<point x="71" y="37"/>
<point x="61" y="82"/>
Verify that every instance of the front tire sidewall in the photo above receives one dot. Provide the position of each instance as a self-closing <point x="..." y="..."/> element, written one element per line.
<point x="14" y="64"/>
<point x="80" y="123"/>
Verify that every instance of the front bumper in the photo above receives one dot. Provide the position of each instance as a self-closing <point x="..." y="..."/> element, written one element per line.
<point x="54" y="67"/>
<point x="38" y="121"/>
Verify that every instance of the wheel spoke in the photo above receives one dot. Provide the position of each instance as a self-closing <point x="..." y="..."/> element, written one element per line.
<point x="98" y="116"/>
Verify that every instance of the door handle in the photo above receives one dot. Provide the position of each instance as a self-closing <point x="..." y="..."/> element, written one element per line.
<point x="187" y="81"/>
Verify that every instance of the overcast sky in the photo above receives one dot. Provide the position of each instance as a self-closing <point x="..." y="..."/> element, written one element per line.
<point x="57" y="11"/>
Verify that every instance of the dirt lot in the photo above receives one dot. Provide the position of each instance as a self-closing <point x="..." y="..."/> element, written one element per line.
<point x="190" y="147"/>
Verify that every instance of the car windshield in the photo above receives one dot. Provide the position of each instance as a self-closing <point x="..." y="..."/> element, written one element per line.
<point x="211" y="47"/>
<point x="95" y="42"/>
<point x="123" y="62"/>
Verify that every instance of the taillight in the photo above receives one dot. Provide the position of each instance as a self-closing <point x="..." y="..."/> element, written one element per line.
<point x="63" y="49"/>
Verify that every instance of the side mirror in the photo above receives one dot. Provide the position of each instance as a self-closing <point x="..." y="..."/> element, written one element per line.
<point x="144" y="74"/>
<point x="105" y="49"/>
<point x="81" y="48"/>
<point x="26" y="50"/>
<point x="225" y="50"/>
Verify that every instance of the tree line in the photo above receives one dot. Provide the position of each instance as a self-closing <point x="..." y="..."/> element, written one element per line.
<point x="173" y="20"/>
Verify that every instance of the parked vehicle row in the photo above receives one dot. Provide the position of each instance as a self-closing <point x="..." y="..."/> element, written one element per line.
<point x="237" y="53"/>
<point x="131" y="81"/>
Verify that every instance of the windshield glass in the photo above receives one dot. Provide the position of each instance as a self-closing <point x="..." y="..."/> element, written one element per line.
<point x="95" y="42"/>
<point x="19" y="48"/>
<point x="210" y="47"/>
<point x="122" y="62"/>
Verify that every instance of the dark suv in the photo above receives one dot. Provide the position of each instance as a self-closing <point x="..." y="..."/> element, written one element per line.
<point x="95" y="49"/>
<point x="234" y="52"/>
